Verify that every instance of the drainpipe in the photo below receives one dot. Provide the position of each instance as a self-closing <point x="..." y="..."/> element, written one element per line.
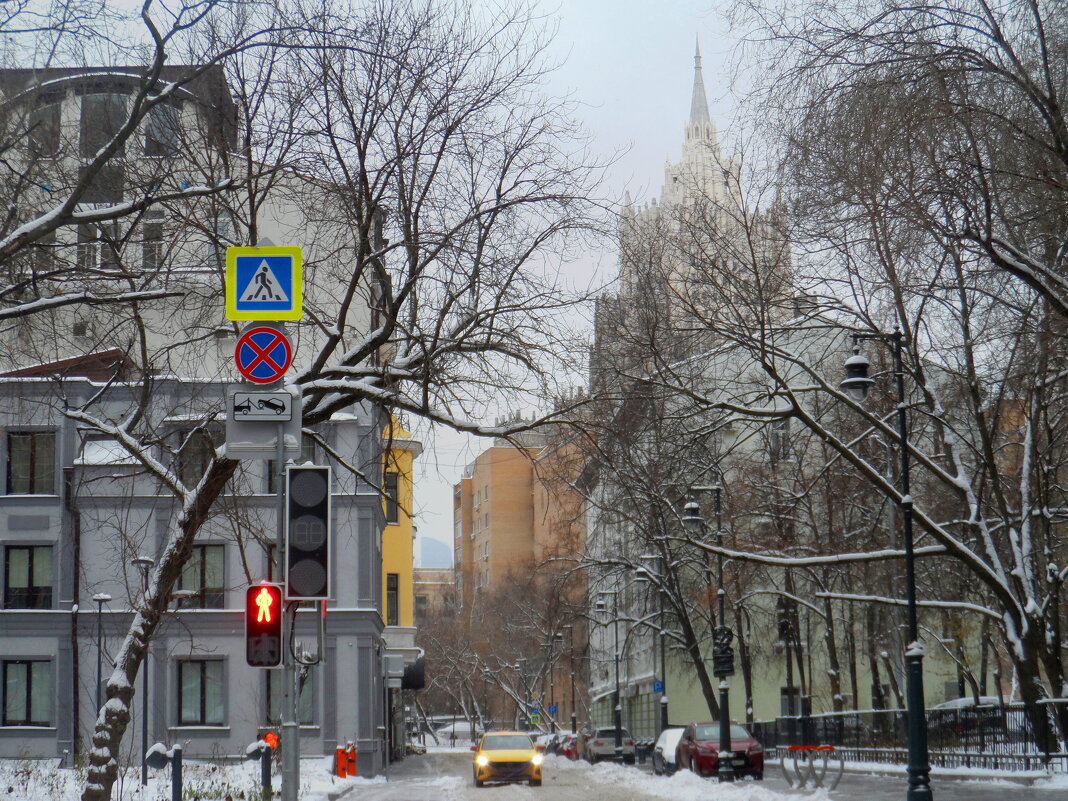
<point x="70" y="509"/>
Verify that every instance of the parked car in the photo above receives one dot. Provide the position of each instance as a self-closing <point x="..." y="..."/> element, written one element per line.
<point x="961" y="716"/>
<point x="547" y="743"/>
<point x="568" y="746"/>
<point x="664" y="752"/>
<point x="601" y="745"/>
<point x="698" y="750"/>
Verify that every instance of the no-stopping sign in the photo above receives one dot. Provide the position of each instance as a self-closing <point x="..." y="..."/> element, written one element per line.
<point x="263" y="355"/>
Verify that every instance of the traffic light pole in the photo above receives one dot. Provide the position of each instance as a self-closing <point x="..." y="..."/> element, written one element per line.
<point x="290" y="730"/>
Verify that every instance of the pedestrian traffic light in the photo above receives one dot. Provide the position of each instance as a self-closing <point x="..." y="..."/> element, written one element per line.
<point x="263" y="625"/>
<point x="307" y="533"/>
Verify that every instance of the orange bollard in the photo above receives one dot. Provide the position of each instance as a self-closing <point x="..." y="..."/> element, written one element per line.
<point x="340" y="762"/>
<point x="352" y="759"/>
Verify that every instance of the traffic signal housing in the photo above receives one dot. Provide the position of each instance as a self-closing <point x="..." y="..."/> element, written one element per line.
<point x="307" y="532"/>
<point x="263" y="625"/>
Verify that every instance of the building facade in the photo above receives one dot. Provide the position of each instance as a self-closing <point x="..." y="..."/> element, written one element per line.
<point x="81" y="513"/>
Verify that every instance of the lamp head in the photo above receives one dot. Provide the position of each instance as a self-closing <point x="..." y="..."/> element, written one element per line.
<point x="691" y="517"/>
<point x="857" y="383"/>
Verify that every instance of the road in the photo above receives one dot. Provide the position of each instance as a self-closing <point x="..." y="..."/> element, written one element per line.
<point x="447" y="777"/>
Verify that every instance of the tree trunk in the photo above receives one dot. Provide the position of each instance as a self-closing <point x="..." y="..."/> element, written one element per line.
<point x="851" y="655"/>
<point x="834" y="674"/>
<point x="693" y="648"/>
<point x="115" y="716"/>
<point x="746" y="660"/>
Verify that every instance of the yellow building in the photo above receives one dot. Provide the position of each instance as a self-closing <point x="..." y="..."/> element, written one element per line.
<point x="398" y="536"/>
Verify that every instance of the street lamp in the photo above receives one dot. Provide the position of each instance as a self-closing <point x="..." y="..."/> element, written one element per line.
<point x="101" y="598"/>
<point x="856" y="385"/>
<point x="722" y="653"/>
<point x="617" y="713"/>
<point x="655" y="567"/>
<point x="144" y="564"/>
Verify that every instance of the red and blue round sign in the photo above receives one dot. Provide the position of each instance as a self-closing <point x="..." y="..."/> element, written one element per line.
<point x="263" y="355"/>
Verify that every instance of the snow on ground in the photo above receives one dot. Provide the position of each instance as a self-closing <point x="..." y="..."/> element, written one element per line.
<point x="682" y="786"/>
<point x="41" y="779"/>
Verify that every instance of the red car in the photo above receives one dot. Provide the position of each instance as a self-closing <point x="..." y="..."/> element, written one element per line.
<point x="568" y="747"/>
<point x="698" y="750"/>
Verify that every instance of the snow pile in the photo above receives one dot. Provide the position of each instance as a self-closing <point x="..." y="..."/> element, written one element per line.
<point x="41" y="779"/>
<point x="682" y="786"/>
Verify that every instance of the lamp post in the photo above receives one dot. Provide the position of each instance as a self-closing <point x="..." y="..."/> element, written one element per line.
<point x="722" y="653"/>
<point x="856" y="385"/>
<point x="660" y="572"/>
<point x="571" y="663"/>
<point x="617" y="712"/>
<point x="144" y="564"/>
<point x="101" y="598"/>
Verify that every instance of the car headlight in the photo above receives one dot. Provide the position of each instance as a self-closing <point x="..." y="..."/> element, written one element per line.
<point x="481" y="760"/>
<point x="756" y="749"/>
<point x="538" y="759"/>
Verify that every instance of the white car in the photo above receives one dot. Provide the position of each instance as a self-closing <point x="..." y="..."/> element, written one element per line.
<point x="664" y="751"/>
<point x="462" y="732"/>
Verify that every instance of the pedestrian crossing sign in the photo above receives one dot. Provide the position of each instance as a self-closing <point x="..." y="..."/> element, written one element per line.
<point x="264" y="283"/>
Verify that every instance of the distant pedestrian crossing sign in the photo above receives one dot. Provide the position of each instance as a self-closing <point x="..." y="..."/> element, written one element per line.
<point x="264" y="283"/>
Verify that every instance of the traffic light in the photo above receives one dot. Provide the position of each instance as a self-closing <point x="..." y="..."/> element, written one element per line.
<point x="263" y="625"/>
<point x="722" y="653"/>
<point x="307" y="533"/>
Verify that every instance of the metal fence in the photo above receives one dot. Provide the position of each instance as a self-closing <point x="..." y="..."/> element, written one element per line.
<point x="996" y="737"/>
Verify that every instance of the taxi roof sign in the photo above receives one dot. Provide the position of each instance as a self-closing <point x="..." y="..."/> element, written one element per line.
<point x="264" y="283"/>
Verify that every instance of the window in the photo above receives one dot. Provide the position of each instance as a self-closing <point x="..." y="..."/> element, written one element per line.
<point x="27" y="692"/>
<point x="196" y="453"/>
<point x="392" y="599"/>
<point x="422" y="606"/>
<point x="152" y="242"/>
<point x="163" y="131"/>
<point x="106" y="185"/>
<point x="205" y="575"/>
<point x="98" y="247"/>
<point x="779" y="441"/>
<point x="28" y="577"/>
<point x="200" y="692"/>
<point x="306" y="707"/>
<point x="44" y="131"/>
<point x="102" y="116"/>
<point x="307" y="454"/>
<point x="31" y="463"/>
<point x="391" y="488"/>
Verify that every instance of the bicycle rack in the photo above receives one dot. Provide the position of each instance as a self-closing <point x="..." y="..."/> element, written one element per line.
<point x="810" y="765"/>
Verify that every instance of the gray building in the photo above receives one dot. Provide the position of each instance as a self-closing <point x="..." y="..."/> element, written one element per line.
<point x="77" y="510"/>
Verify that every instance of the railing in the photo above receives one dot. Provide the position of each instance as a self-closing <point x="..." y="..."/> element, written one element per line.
<point x="995" y="737"/>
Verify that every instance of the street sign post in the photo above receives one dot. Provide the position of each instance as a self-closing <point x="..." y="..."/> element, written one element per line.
<point x="535" y="719"/>
<point x="264" y="283"/>
<point x="658" y="686"/>
<point x="263" y="355"/>
<point x="552" y="709"/>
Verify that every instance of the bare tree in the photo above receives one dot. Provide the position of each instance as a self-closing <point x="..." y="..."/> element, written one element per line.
<point x="437" y="188"/>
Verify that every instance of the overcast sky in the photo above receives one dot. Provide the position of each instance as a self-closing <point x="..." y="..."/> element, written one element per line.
<point x="629" y="64"/>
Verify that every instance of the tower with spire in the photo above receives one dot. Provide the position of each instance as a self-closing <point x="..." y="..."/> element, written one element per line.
<point x="675" y="247"/>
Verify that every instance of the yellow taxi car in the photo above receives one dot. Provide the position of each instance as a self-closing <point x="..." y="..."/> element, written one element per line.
<point x="507" y="756"/>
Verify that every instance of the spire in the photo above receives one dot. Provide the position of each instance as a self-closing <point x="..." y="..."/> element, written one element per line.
<point x="698" y="102"/>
